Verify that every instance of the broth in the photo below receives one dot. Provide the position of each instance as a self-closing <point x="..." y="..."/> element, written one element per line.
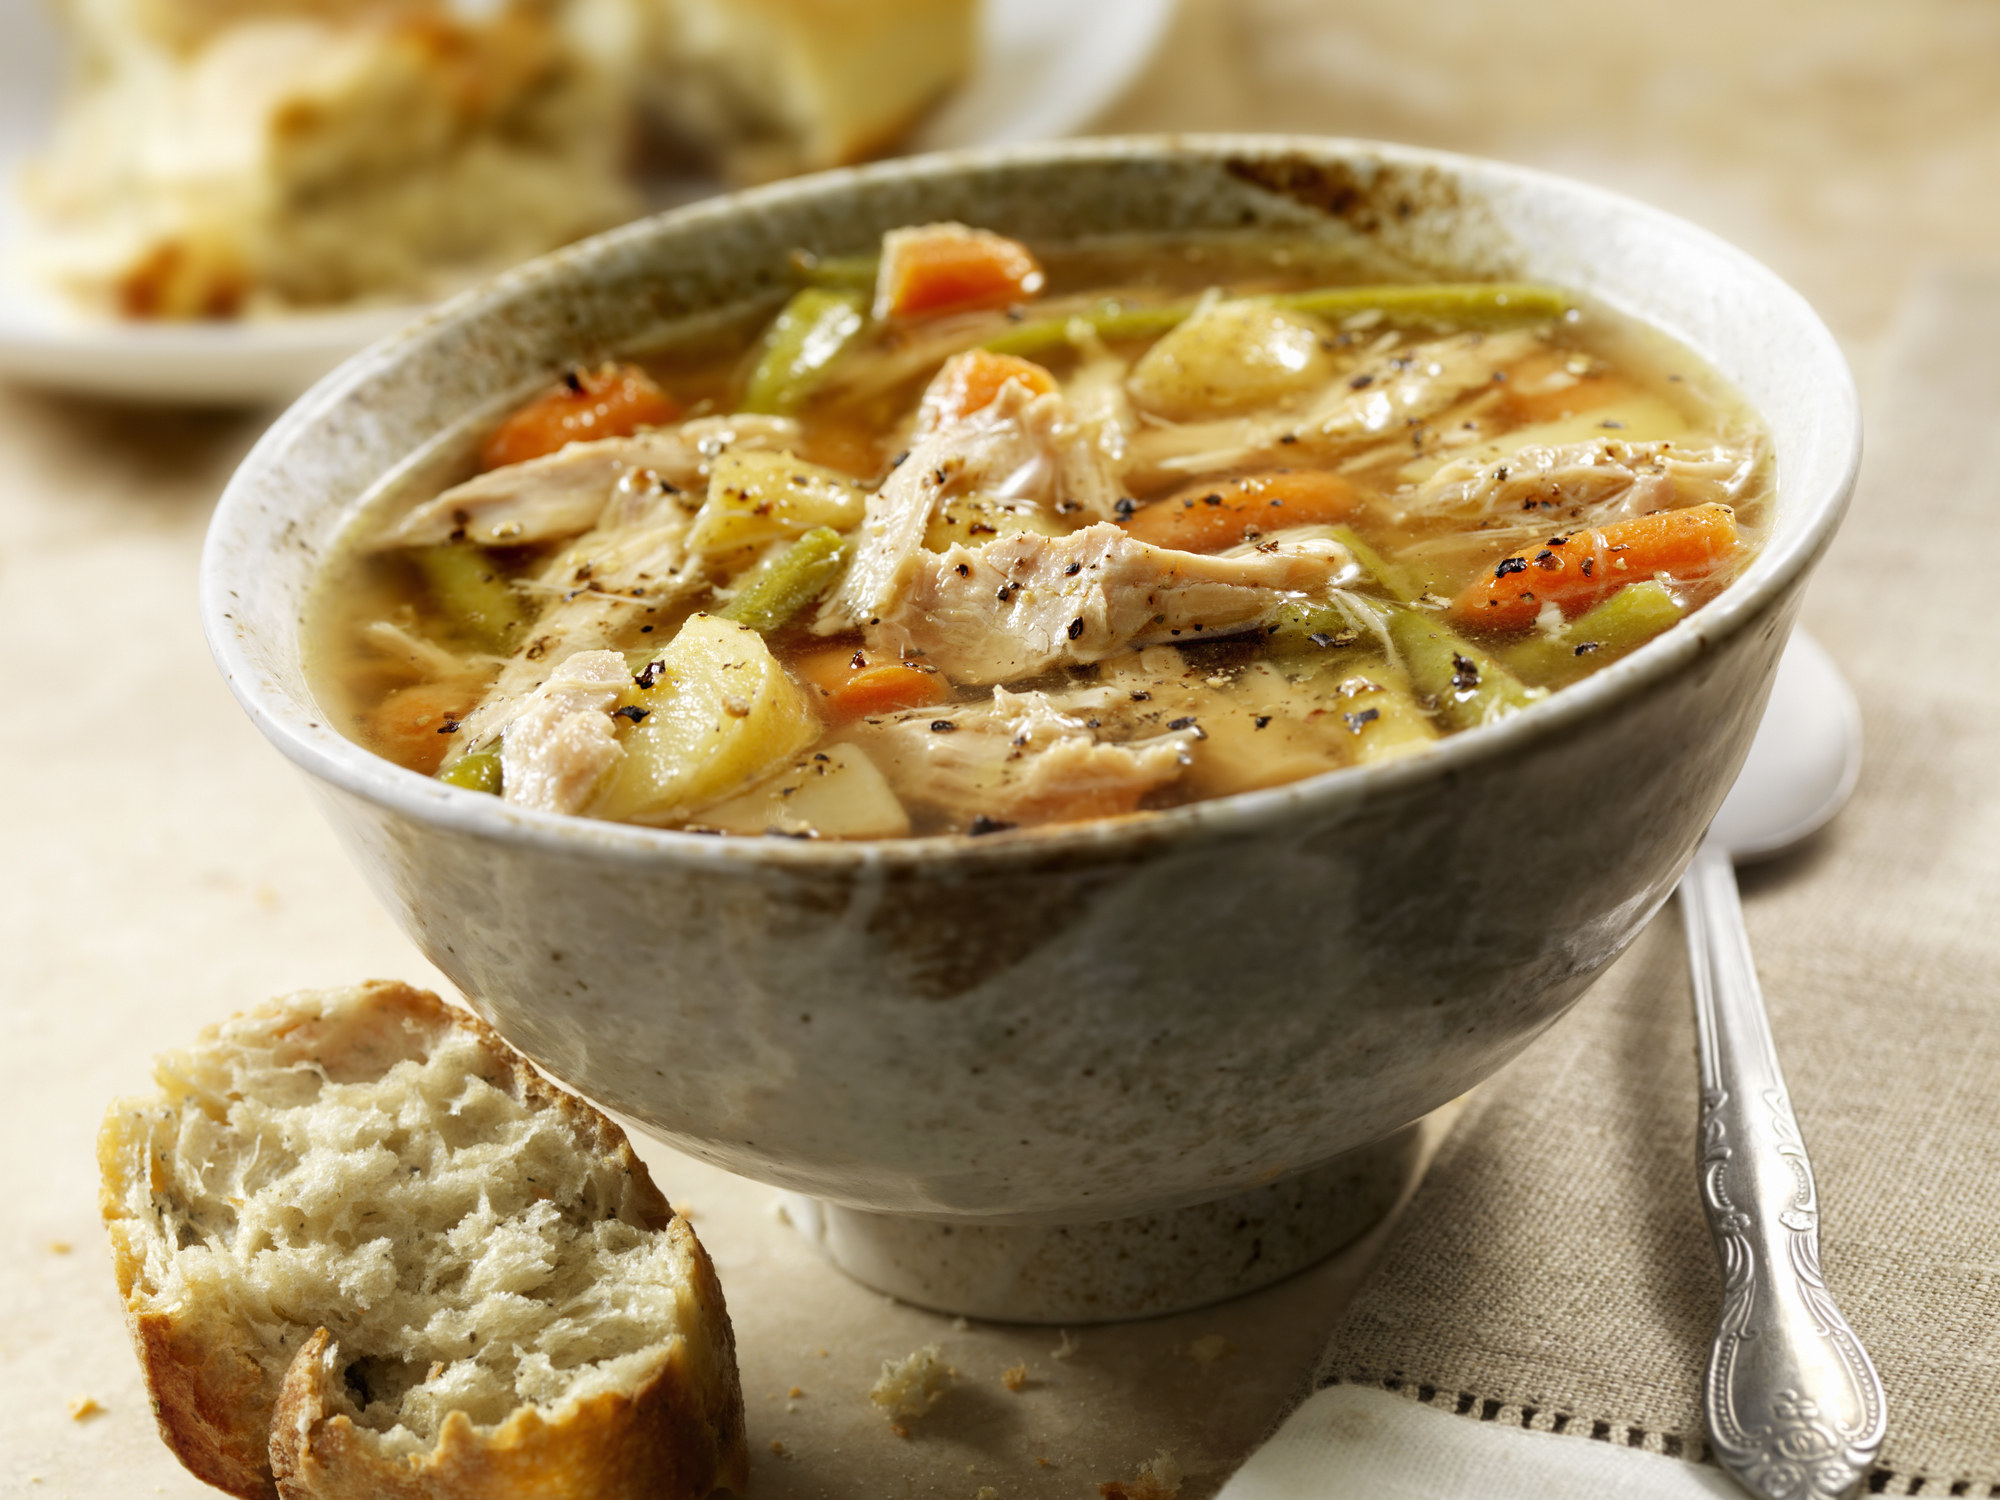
<point x="973" y="538"/>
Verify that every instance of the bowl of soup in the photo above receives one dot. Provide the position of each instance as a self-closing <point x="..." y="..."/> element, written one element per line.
<point x="1025" y="696"/>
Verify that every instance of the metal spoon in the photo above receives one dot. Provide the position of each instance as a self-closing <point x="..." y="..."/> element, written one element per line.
<point x="1793" y="1405"/>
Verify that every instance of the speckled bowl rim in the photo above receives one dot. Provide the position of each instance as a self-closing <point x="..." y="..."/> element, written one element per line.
<point x="324" y="753"/>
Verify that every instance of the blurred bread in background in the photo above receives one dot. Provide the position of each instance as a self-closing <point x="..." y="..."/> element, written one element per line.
<point x="765" y="88"/>
<point x="225" y="157"/>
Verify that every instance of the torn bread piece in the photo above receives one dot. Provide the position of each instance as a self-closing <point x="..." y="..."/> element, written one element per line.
<point x="365" y="1250"/>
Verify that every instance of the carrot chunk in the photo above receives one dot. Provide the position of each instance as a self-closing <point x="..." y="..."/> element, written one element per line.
<point x="1587" y="567"/>
<point x="845" y="685"/>
<point x="610" y="401"/>
<point x="940" y="268"/>
<point x="970" y="381"/>
<point x="409" y="726"/>
<point x="1212" y="517"/>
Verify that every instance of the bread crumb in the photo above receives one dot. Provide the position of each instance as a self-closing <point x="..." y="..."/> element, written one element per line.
<point x="779" y="1449"/>
<point x="83" y="1408"/>
<point x="910" y="1386"/>
<point x="1067" y="1348"/>
<point x="686" y="1211"/>
<point x="1015" y="1377"/>
<point x="1158" y="1480"/>
<point x="1208" y="1349"/>
<point x="795" y="1392"/>
<point x="60" y="1247"/>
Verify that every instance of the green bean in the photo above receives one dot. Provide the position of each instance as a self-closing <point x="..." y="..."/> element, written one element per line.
<point x="477" y="772"/>
<point x="789" y="582"/>
<point x="1620" y="625"/>
<point x="842" y="272"/>
<point x="803" y="340"/>
<point x="1483" y="302"/>
<point x="1464" y="686"/>
<point x="1385" y="575"/>
<point x="468" y="588"/>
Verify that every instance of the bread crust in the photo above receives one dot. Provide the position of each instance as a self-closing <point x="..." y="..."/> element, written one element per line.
<point x="679" y="1435"/>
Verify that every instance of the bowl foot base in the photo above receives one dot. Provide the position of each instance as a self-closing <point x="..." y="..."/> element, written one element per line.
<point x="1116" y="1268"/>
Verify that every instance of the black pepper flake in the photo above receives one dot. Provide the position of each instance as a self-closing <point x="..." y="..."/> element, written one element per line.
<point x="651" y="673"/>
<point x="964" y="570"/>
<point x="1072" y="570"/>
<point x="1289" y="438"/>
<point x="630" y="711"/>
<point x="898" y="461"/>
<point x="1142" y="696"/>
<point x="1211" y="499"/>
<point x="942" y="726"/>
<point x="645" y="630"/>
<point x="858" y="660"/>
<point x="573" y="381"/>
<point x="1464" y="673"/>
<point x="1588" y="566"/>
<point x="1584" y="648"/>
<point x="1361" y="718"/>
<point x="1184" y="723"/>
<point x="449" y="726"/>
<point x="1125" y="507"/>
<point x="1007" y="591"/>
<point x="1548" y="561"/>
<point x="1076" y="627"/>
<point x="1326" y="638"/>
<point x="1360" y="382"/>
<point x="1262" y="720"/>
<point x="984" y="824"/>
<point x="1610" y="423"/>
<point x="1511" y="565"/>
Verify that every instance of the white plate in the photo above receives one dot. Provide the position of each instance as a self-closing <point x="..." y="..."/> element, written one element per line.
<point x="1046" y="68"/>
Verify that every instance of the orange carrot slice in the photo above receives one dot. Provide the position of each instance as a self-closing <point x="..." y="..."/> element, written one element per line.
<point x="408" y="726"/>
<point x="1211" y="517"/>
<point x="845" y="685"/>
<point x="970" y="381"/>
<point x="939" y="268"/>
<point x="1587" y="567"/>
<point x="610" y="401"/>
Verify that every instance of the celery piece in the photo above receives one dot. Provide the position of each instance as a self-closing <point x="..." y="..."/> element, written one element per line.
<point x="780" y="588"/>
<point x="1304" y="624"/>
<point x="1485" y="302"/>
<point x="477" y="772"/>
<point x="1464" y="686"/>
<point x="803" y="340"/>
<point x="1621" y="624"/>
<point x="468" y="589"/>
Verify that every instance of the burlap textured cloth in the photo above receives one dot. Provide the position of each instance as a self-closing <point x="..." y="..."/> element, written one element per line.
<point x="1555" y="1271"/>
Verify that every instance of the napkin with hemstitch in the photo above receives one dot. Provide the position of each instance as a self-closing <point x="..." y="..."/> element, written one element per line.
<point x="1553" y="1282"/>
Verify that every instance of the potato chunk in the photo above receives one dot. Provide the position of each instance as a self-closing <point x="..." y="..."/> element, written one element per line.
<point x="1231" y="357"/>
<point x="718" y="713"/>
<point x="835" y="793"/>
<point x="754" y="498"/>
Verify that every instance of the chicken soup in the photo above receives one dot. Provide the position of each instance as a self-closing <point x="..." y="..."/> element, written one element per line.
<point x="969" y="536"/>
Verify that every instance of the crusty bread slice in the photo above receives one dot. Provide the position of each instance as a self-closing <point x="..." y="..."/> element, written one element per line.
<point x="366" y="1251"/>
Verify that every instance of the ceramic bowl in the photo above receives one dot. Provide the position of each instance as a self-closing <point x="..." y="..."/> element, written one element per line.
<point x="1079" y="1024"/>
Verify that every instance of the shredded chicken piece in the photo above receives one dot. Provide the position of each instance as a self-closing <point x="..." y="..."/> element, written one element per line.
<point x="1025" y="603"/>
<point x="1020" y="759"/>
<point x="630" y="570"/>
<point x="561" y="740"/>
<point x="1610" y="478"/>
<point x="1382" y="396"/>
<point x="991" y="451"/>
<point x="1092" y="436"/>
<point x="565" y="493"/>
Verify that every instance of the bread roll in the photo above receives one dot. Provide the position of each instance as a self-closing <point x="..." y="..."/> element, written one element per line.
<point x="366" y="1251"/>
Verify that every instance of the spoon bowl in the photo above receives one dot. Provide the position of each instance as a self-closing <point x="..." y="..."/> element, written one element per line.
<point x="1803" y="764"/>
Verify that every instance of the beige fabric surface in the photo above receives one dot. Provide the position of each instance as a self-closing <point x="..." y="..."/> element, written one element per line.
<point x="1555" y="1271"/>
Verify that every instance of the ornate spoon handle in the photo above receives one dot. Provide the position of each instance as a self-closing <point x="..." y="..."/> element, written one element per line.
<point x="1793" y="1404"/>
